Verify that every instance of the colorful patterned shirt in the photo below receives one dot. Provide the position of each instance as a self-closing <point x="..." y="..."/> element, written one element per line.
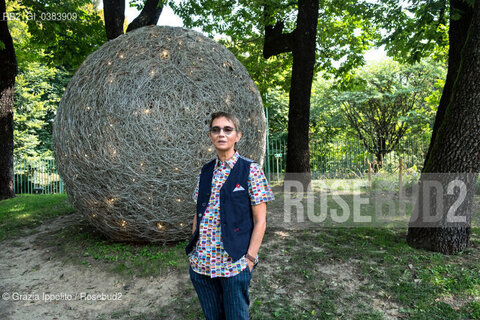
<point x="209" y="257"/>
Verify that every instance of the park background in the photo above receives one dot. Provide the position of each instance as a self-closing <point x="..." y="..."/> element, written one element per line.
<point x="349" y="273"/>
<point x="336" y="148"/>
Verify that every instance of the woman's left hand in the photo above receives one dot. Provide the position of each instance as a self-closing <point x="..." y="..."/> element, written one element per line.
<point x="250" y="265"/>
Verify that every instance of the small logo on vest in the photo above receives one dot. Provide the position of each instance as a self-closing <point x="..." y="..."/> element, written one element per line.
<point x="238" y="187"/>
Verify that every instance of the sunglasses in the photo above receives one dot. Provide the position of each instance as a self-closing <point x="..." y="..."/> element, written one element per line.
<point x="227" y="130"/>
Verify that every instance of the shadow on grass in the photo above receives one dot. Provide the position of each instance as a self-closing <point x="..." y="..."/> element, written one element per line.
<point x="28" y="211"/>
<point x="319" y="273"/>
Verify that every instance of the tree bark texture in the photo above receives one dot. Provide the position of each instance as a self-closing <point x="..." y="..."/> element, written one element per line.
<point x="8" y="67"/>
<point x="457" y="34"/>
<point x="302" y="43"/>
<point x="114" y="13"/>
<point x="149" y="15"/>
<point x="455" y="153"/>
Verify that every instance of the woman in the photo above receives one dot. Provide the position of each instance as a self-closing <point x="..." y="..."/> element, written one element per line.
<point x="228" y="225"/>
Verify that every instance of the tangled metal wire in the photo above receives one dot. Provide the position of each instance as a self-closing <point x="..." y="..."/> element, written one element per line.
<point x="131" y="131"/>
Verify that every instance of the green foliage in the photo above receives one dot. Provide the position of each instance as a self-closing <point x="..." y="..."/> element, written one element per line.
<point x="388" y="101"/>
<point x="239" y="26"/>
<point x="327" y="122"/>
<point x="42" y="73"/>
<point x="21" y="37"/>
<point x="477" y="186"/>
<point x="334" y="144"/>
<point x="38" y="91"/>
<point x="344" y="33"/>
<point x="387" y="181"/>
<point x="59" y="39"/>
<point x="425" y="80"/>
<point x="277" y="104"/>
<point x="415" y="29"/>
<point x="329" y="126"/>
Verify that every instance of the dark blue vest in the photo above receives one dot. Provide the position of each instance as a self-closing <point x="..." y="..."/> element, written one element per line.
<point x="236" y="221"/>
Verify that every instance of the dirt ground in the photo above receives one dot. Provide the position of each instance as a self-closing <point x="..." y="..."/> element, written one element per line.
<point x="31" y="275"/>
<point x="36" y="286"/>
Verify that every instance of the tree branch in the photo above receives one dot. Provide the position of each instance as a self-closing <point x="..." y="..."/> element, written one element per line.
<point x="149" y="15"/>
<point x="276" y="41"/>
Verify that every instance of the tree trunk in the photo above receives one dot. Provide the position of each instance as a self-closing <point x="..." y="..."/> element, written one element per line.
<point x="149" y="16"/>
<point x="380" y="156"/>
<point x="8" y="65"/>
<point x="457" y="36"/>
<point x="114" y="13"/>
<point x="304" y="42"/>
<point x="455" y="154"/>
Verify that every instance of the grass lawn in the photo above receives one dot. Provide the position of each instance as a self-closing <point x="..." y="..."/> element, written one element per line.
<point x="28" y="210"/>
<point x="315" y="273"/>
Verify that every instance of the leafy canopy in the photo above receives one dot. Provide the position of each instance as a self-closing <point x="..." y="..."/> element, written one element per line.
<point x="388" y="100"/>
<point x="345" y="31"/>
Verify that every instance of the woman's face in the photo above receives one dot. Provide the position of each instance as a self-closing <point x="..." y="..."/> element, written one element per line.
<point x="221" y="140"/>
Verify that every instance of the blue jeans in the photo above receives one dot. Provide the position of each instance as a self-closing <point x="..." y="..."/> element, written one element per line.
<point x="223" y="298"/>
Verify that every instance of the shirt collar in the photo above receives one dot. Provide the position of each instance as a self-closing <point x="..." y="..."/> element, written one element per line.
<point x="230" y="162"/>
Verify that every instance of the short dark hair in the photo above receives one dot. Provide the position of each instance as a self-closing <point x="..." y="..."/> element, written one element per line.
<point x="227" y="115"/>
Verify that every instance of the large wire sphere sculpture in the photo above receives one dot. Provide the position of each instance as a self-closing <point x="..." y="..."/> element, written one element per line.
<point x="131" y="131"/>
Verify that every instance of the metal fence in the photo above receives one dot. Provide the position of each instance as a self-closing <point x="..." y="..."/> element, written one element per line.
<point x="333" y="160"/>
<point x="37" y="176"/>
<point x="343" y="159"/>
